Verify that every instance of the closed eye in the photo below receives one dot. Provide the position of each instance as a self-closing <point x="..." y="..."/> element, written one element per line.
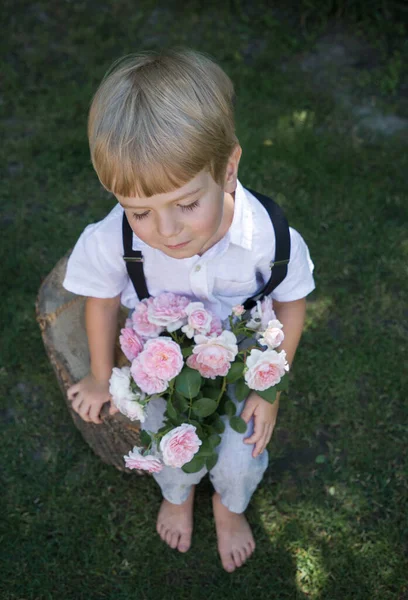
<point x="184" y="208"/>
<point x="191" y="206"/>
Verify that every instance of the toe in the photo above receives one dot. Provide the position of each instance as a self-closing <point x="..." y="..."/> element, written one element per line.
<point x="237" y="558"/>
<point x="244" y="554"/>
<point x="228" y="563"/>
<point x="167" y="537"/>
<point x="161" y="530"/>
<point x="174" y="540"/>
<point x="250" y="547"/>
<point x="184" y="542"/>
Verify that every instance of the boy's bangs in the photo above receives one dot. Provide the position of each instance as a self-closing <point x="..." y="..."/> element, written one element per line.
<point x="132" y="178"/>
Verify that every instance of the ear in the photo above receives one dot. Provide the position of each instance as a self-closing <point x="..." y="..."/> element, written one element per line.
<point x="231" y="173"/>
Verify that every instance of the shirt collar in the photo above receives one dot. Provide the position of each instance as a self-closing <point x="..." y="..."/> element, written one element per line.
<point x="241" y="230"/>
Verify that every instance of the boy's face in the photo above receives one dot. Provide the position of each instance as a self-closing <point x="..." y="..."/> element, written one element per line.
<point x="189" y="220"/>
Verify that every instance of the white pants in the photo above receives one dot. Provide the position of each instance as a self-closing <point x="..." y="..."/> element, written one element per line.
<point x="235" y="476"/>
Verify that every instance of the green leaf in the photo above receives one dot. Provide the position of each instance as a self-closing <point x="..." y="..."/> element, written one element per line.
<point x="283" y="385"/>
<point x="218" y="425"/>
<point x="320" y="459"/>
<point x="179" y="402"/>
<point x="221" y="405"/>
<point x="188" y="382"/>
<point x="211" y="461"/>
<point x="235" y="372"/>
<point x="269" y="395"/>
<point x="171" y="410"/>
<point x="230" y="408"/>
<point x="214" y="440"/>
<point x="210" y="392"/>
<point x="206" y="449"/>
<point x="195" y="464"/>
<point x="186" y="352"/>
<point x="204" y="407"/>
<point x="145" y="438"/>
<point x="197" y="425"/>
<point x="238" y="424"/>
<point x="214" y="383"/>
<point x="242" y="391"/>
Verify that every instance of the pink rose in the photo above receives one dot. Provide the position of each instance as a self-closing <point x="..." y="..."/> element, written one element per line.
<point x="273" y="336"/>
<point x="161" y="358"/>
<point x="168" y="310"/>
<point x="149" y="462"/>
<point x="130" y="343"/>
<point x="198" y="320"/>
<point x="141" y="323"/>
<point x="204" y="370"/>
<point x="214" y="355"/>
<point x="265" y="369"/>
<point x="215" y="327"/>
<point x="179" y="445"/>
<point x="148" y="383"/>
<point x="238" y="310"/>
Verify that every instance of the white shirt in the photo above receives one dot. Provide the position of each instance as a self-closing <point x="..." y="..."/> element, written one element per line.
<point x="232" y="270"/>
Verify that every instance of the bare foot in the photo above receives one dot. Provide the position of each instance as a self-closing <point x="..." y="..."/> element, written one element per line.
<point x="235" y="539"/>
<point x="175" y="523"/>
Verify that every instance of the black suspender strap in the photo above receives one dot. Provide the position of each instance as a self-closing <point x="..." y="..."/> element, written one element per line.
<point x="134" y="261"/>
<point x="279" y="266"/>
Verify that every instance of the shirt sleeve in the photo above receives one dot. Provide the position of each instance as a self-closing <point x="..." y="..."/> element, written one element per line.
<point x="96" y="267"/>
<point x="299" y="281"/>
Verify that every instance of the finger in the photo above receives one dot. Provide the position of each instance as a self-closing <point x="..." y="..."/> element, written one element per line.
<point x="74" y="389"/>
<point x="83" y="412"/>
<point x="247" y="413"/>
<point x="76" y="403"/>
<point x="259" y="448"/>
<point x="263" y="442"/>
<point x="94" y="412"/>
<point x="113" y="409"/>
<point x="257" y="435"/>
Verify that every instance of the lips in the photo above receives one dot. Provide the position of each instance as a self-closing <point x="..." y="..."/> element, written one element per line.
<point x="178" y="246"/>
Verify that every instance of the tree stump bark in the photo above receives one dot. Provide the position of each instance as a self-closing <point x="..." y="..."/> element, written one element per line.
<point x="60" y="315"/>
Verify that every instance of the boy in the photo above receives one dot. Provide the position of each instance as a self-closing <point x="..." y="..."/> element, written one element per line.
<point x="162" y="140"/>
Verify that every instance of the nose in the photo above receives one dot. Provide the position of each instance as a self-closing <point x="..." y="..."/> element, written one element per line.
<point x="168" y="226"/>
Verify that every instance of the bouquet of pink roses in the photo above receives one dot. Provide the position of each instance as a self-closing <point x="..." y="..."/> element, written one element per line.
<point x="179" y="350"/>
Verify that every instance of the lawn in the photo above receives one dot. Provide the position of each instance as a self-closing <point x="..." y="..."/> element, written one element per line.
<point x="330" y="517"/>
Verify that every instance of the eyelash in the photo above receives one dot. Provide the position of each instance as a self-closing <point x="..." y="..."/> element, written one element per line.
<point x="185" y="208"/>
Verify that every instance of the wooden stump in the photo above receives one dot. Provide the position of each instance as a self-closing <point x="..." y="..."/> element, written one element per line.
<point x="60" y="315"/>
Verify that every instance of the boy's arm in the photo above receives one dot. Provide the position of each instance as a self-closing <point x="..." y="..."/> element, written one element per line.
<point x="89" y="394"/>
<point x="292" y="317"/>
<point x="101" y="317"/>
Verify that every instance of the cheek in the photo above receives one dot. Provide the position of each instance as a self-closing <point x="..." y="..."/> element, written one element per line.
<point x="143" y="230"/>
<point x="208" y="221"/>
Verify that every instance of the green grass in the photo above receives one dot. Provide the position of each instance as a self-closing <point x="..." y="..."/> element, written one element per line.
<point x="330" y="515"/>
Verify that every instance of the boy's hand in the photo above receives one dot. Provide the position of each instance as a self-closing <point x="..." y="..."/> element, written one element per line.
<point x="88" y="396"/>
<point x="264" y="415"/>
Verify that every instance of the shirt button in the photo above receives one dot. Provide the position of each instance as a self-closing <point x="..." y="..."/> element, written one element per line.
<point x="197" y="268"/>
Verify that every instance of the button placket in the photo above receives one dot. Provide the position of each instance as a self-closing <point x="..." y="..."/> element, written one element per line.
<point x="198" y="281"/>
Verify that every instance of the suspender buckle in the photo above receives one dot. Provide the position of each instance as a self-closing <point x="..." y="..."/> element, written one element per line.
<point x="278" y="263"/>
<point x="138" y="259"/>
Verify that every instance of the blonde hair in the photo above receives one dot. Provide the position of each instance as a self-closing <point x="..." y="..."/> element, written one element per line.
<point x="158" y="119"/>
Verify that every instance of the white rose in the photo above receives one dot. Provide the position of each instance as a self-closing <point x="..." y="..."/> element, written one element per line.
<point x="123" y="397"/>
<point x="273" y="336"/>
<point x="131" y="409"/>
<point x="227" y="340"/>
<point x="198" y="319"/>
<point x="119" y="383"/>
<point x="265" y="369"/>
